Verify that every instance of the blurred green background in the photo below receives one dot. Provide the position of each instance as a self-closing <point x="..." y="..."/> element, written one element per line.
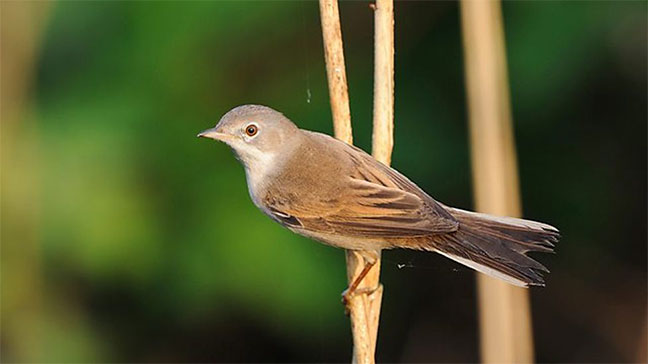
<point x="126" y="239"/>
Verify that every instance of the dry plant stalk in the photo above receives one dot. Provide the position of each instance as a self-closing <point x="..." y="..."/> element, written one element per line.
<point x="335" y="70"/>
<point x="383" y="129"/>
<point x="505" y="319"/>
<point x="383" y="111"/>
<point x="21" y="30"/>
<point x="339" y="98"/>
<point x="364" y="309"/>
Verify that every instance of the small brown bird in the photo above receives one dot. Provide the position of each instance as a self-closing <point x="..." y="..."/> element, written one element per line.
<point x="325" y="189"/>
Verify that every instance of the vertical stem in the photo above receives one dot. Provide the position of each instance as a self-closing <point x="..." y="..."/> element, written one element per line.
<point x="339" y="98"/>
<point x="383" y="108"/>
<point x="23" y="303"/>
<point x="364" y="309"/>
<point x="335" y="70"/>
<point x="505" y="320"/>
<point x="383" y="125"/>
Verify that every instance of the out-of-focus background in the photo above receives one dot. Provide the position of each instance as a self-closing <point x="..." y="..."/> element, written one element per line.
<point x="126" y="239"/>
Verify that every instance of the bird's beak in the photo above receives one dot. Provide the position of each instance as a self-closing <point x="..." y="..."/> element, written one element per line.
<point x="213" y="134"/>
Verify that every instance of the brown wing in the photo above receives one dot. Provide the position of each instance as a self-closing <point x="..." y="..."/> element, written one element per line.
<point x="374" y="201"/>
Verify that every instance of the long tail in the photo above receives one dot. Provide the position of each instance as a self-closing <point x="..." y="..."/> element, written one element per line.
<point x="497" y="246"/>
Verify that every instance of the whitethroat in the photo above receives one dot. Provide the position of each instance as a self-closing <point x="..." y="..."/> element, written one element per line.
<point x="327" y="190"/>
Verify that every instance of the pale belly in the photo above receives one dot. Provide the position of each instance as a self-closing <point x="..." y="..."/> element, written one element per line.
<point x="345" y="242"/>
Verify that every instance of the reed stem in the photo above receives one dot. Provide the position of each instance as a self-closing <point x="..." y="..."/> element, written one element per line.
<point x="364" y="309"/>
<point x="504" y="310"/>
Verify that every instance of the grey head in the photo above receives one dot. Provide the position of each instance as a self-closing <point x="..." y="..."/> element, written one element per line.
<point x="256" y="133"/>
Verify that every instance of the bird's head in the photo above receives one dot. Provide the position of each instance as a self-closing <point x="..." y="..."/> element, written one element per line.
<point x="256" y="133"/>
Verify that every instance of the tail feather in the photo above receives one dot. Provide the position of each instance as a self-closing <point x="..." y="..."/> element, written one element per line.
<point x="497" y="246"/>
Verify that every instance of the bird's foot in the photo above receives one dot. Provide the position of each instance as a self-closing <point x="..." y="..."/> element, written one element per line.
<point x="349" y="293"/>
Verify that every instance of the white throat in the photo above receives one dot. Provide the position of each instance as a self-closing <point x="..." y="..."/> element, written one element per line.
<point x="258" y="166"/>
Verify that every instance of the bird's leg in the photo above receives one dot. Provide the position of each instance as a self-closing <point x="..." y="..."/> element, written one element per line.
<point x="370" y="259"/>
<point x="349" y="292"/>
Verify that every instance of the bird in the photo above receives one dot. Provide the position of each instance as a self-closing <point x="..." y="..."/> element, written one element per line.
<point x="335" y="193"/>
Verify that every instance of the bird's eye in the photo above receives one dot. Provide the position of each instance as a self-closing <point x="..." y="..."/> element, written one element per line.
<point x="251" y="130"/>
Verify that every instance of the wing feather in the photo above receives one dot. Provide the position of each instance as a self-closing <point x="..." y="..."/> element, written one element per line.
<point x="374" y="201"/>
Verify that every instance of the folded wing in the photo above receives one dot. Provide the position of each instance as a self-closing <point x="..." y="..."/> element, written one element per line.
<point x="374" y="201"/>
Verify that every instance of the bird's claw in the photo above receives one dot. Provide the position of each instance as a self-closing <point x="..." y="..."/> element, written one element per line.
<point x="348" y="295"/>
